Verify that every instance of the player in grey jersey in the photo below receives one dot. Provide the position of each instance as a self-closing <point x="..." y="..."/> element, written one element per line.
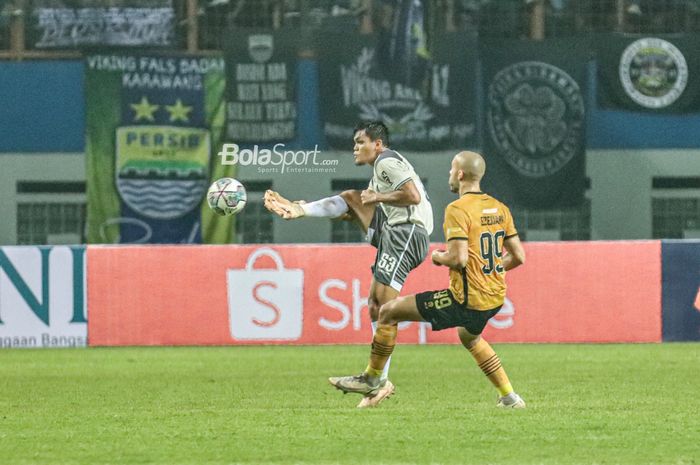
<point x="394" y="211"/>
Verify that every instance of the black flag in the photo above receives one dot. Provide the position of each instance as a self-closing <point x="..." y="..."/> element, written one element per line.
<point x="649" y="74"/>
<point x="260" y="85"/>
<point x="534" y="135"/>
<point x="431" y="106"/>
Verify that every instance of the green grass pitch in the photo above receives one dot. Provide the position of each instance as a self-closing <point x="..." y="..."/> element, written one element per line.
<point x="587" y="404"/>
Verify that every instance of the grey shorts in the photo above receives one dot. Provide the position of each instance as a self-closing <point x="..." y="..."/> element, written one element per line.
<point x="400" y="249"/>
<point x="375" y="227"/>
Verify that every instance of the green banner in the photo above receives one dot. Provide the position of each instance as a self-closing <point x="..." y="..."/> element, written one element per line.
<point x="154" y="125"/>
<point x="649" y="74"/>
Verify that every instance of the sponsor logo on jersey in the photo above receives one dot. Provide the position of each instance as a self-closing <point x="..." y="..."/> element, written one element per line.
<point x="385" y="177"/>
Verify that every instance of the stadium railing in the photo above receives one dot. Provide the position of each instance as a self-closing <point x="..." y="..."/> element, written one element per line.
<point x="200" y="24"/>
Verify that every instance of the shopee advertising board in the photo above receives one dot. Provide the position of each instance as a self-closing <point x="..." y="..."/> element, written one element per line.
<point x="317" y="294"/>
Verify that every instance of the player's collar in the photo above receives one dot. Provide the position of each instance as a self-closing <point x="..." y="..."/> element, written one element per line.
<point x="472" y="192"/>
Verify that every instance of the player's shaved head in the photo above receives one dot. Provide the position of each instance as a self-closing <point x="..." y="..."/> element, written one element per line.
<point x="472" y="165"/>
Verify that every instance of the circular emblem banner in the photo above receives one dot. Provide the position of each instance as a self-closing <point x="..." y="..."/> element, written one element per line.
<point x="653" y="72"/>
<point x="535" y="117"/>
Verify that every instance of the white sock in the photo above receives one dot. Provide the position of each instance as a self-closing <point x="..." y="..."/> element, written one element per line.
<point x="330" y="207"/>
<point x="385" y="373"/>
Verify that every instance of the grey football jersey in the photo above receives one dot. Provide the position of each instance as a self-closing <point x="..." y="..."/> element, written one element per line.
<point x="391" y="171"/>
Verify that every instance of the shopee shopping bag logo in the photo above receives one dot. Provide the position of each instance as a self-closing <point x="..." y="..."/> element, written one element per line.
<point x="265" y="303"/>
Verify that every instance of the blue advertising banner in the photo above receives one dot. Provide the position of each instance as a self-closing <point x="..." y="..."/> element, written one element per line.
<point x="681" y="290"/>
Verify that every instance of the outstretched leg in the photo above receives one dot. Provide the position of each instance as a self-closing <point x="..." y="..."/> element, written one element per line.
<point x="347" y="205"/>
<point x="358" y="213"/>
<point x="282" y="207"/>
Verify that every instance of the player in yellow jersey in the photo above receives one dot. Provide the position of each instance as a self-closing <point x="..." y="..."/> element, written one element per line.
<point x="478" y="228"/>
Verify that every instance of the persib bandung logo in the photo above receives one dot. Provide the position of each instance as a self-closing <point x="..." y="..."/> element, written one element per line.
<point x="535" y="117"/>
<point x="162" y="172"/>
<point x="260" y="47"/>
<point x="653" y="72"/>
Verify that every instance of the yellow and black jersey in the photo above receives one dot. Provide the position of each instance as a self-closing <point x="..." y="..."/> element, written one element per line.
<point x="484" y="223"/>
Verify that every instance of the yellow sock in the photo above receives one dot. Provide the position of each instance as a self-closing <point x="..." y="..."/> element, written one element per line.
<point x="490" y="364"/>
<point x="372" y="372"/>
<point x="382" y="346"/>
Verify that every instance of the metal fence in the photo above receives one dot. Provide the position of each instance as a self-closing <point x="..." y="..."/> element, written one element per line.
<point x="201" y="24"/>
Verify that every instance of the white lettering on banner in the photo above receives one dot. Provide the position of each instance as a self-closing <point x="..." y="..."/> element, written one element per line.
<point x="265" y="304"/>
<point x="69" y="27"/>
<point x="260" y="107"/>
<point x="42" y="297"/>
<point x="504" y="318"/>
<point x="341" y="307"/>
<point x="359" y="302"/>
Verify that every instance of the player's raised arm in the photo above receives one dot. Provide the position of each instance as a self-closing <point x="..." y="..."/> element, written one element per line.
<point x="406" y="195"/>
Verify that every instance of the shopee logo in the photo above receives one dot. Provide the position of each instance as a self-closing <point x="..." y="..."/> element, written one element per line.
<point x="273" y="308"/>
<point x="265" y="304"/>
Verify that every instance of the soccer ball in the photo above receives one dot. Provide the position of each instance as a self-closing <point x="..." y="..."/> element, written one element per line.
<point x="226" y="196"/>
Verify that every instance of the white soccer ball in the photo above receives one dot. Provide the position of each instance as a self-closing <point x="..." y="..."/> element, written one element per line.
<point x="226" y="196"/>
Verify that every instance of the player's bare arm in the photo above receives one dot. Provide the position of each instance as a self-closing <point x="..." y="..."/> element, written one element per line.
<point x="454" y="257"/>
<point x="516" y="253"/>
<point x="406" y="195"/>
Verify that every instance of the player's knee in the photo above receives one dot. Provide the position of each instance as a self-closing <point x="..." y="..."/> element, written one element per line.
<point x="467" y="339"/>
<point x="352" y="198"/>
<point x="373" y="307"/>
<point x="386" y="314"/>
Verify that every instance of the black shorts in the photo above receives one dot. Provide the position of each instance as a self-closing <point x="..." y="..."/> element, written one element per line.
<point x="442" y="311"/>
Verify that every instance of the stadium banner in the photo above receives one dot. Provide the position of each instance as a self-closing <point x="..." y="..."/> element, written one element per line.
<point x="154" y="126"/>
<point x="649" y="74"/>
<point x="42" y="297"/>
<point x="86" y="23"/>
<point x="534" y="142"/>
<point x="229" y="295"/>
<point x="427" y="102"/>
<point x="260" y="85"/>
<point x="681" y="290"/>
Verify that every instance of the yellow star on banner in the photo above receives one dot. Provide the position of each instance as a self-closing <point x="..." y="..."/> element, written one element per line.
<point x="178" y="111"/>
<point x="144" y="110"/>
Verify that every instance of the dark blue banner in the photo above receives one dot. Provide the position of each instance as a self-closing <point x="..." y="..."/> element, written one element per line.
<point x="681" y="290"/>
